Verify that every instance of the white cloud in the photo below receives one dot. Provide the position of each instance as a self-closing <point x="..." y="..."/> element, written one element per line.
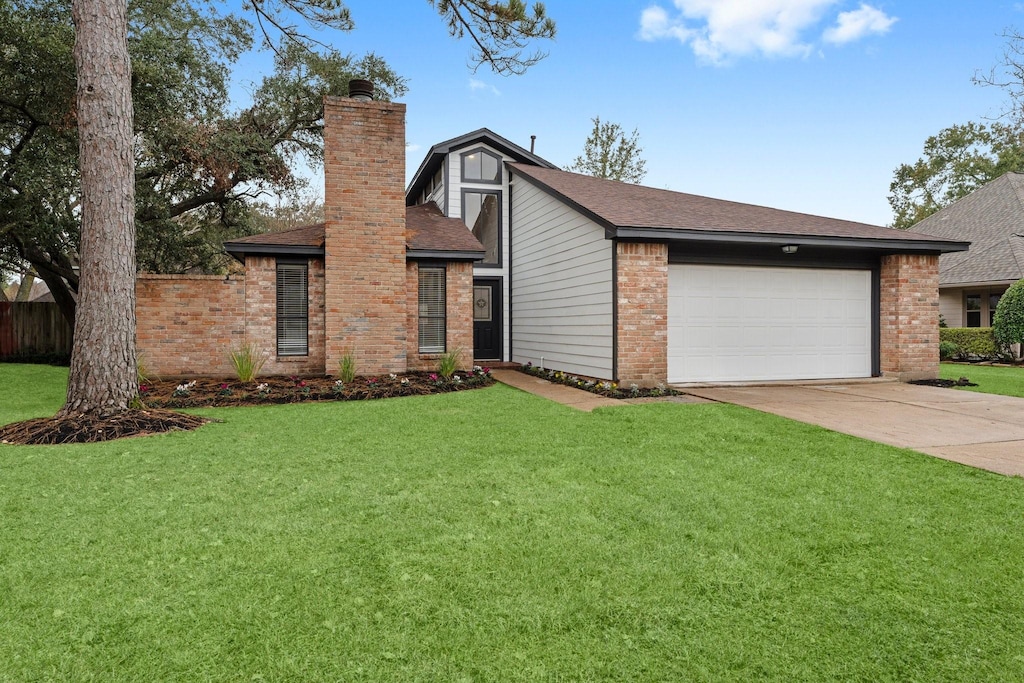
<point x="475" y="84"/>
<point x="719" y="31"/>
<point x="858" y="23"/>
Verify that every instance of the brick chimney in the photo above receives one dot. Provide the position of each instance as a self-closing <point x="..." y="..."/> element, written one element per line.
<point x="364" y="197"/>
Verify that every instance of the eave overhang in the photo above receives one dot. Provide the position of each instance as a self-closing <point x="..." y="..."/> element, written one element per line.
<point x="896" y="245"/>
<point x="240" y="251"/>
<point x="439" y="255"/>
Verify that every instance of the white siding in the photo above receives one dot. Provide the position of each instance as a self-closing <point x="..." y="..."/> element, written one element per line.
<point x="561" y="286"/>
<point x="951" y="306"/>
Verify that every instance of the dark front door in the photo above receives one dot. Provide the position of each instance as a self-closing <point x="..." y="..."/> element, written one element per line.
<point x="486" y="319"/>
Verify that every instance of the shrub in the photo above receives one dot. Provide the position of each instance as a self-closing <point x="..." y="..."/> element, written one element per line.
<point x="347" y="368"/>
<point x="141" y="371"/>
<point x="1008" y="325"/>
<point x="970" y="342"/>
<point x="449" y="363"/>
<point x="948" y="349"/>
<point x="247" y="361"/>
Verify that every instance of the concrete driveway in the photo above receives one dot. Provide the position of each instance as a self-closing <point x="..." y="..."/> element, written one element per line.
<point x="980" y="430"/>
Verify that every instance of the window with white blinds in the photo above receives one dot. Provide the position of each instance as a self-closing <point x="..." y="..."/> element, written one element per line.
<point x="432" y="304"/>
<point x="292" y="308"/>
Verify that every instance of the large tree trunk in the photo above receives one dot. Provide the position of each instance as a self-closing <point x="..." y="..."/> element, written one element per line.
<point x="103" y="376"/>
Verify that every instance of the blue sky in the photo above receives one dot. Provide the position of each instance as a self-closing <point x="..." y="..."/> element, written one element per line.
<point x="805" y="105"/>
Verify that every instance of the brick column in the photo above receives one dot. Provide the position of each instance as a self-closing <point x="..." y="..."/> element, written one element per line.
<point x="364" y="269"/>
<point x="641" y="332"/>
<point x="909" y="316"/>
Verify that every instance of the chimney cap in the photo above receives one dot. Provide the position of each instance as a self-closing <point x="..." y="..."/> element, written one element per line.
<point x="360" y="90"/>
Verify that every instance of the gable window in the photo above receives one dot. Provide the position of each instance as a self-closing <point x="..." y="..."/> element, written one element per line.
<point x="292" y="308"/>
<point x="432" y="309"/>
<point x="482" y="213"/>
<point x="480" y="166"/>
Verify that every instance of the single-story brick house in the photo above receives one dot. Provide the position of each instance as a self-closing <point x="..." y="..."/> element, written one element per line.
<point x="992" y="219"/>
<point x="495" y="252"/>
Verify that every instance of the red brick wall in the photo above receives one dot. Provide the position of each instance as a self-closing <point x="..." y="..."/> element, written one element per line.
<point x="365" y="271"/>
<point x="909" y="316"/>
<point x="261" y="317"/>
<point x="458" y="315"/>
<point x="642" y="312"/>
<point x="187" y="324"/>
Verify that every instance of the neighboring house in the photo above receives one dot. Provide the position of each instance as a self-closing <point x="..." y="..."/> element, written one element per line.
<point x="494" y="252"/>
<point x="39" y="293"/>
<point x="992" y="219"/>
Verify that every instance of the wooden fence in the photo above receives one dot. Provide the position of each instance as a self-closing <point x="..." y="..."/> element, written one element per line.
<point x="33" y="329"/>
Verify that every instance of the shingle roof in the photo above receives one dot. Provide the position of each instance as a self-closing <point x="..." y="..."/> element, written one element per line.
<point x="427" y="230"/>
<point x="992" y="219"/>
<point x="428" y="233"/>
<point x="306" y="236"/>
<point x="620" y="205"/>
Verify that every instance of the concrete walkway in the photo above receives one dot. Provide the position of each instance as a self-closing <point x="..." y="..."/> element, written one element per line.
<point x="559" y="393"/>
<point x="980" y="430"/>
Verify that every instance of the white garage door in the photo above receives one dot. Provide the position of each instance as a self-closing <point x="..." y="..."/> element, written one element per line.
<point x="746" y="323"/>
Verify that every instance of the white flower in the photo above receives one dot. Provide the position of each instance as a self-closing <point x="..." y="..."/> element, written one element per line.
<point x="405" y="380"/>
<point x="393" y="376"/>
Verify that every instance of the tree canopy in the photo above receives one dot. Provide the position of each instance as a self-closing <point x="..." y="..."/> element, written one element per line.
<point x="963" y="157"/>
<point x="609" y="153"/>
<point x="199" y="163"/>
<point x="956" y="161"/>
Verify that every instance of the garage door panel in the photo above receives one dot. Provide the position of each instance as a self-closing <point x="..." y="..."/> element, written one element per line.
<point x="748" y="323"/>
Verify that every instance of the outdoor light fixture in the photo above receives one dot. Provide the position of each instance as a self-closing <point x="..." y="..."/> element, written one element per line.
<point x="789" y="248"/>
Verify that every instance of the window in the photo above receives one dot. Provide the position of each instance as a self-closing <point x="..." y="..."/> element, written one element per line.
<point x="482" y="213"/>
<point x="980" y="307"/>
<point x="432" y="305"/>
<point x="480" y="166"/>
<point x="972" y="304"/>
<point x="993" y="302"/>
<point x="292" y="308"/>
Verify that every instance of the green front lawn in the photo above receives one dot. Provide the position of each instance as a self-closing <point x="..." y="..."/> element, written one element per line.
<point x="990" y="380"/>
<point x="491" y="535"/>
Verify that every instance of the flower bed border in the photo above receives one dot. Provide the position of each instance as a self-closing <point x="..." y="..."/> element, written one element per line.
<point x="223" y="392"/>
<point x="596" y="386"/>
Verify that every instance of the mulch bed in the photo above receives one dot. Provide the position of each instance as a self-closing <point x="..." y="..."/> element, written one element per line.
<point x="93" y="428"/>
<point x="945" y="383"/>
<point x="160" y="396"/>
<point x="203" y="393"/>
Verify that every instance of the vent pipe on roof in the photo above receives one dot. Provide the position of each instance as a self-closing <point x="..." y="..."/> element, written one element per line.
<point x="360" y="90"/>
<point x="533" y="141"/>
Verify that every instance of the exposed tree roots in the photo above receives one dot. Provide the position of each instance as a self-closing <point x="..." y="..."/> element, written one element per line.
<point x="93" y="428"/>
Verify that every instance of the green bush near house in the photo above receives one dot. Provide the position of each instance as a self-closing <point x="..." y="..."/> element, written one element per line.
<point x="970" y="342"/>
<point x="947" y="350"/>
<point x="1008" y="325"/>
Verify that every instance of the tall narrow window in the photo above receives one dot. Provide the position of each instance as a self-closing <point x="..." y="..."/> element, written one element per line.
<point x="292" y="308"/>
<point x="972" y="305"/>
<point x="482" y="213"/>
<point x="432" y="305"/>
